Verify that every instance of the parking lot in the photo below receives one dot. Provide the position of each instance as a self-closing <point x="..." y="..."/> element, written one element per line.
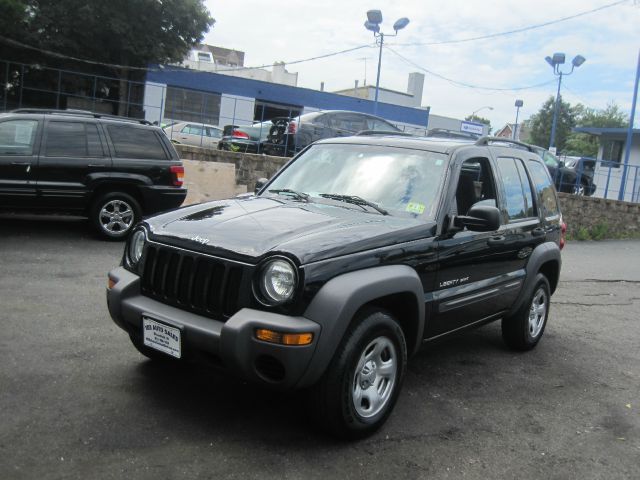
<point x="78" y="401"/>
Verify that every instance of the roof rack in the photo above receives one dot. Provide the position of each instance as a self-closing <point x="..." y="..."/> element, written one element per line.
<point x="86" y="113"/>
<point x="447" y="133"/>
<point x="485" y="141"/>
<point x="383" y="132"/>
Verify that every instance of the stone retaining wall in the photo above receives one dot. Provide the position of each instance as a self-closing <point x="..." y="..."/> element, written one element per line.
<point x="610" y="218"/>
<point x="207" y="172"/>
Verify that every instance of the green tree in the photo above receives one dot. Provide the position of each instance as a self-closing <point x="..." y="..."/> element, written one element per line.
<point x="130" y="33"/>
<point x="585" y="145"/>
<point x="540" y="123"/>
<point x="477" y="119"/>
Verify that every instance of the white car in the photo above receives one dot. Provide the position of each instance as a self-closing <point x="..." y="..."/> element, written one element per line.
<point x="196" y="134"/>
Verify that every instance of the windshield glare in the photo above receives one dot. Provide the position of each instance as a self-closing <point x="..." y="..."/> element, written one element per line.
<point x="402" y="181"/>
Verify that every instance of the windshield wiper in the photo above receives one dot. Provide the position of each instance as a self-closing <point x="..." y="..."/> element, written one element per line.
<point x="294" y="193"/>
<point x="354" y="199"/>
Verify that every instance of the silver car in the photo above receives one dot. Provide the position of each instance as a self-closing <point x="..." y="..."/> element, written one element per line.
<point x="196" y="134"/>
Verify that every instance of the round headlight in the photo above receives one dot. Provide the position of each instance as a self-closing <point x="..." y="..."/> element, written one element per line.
<point x="278" y="282"/>
<point x="135" y="246"/>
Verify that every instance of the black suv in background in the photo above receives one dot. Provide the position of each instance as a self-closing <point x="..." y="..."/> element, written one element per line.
<point x="284" y="136"/>
<point x="357" y="253"/>
<point x="113" y="170"/>
<point x="576" y="178"/>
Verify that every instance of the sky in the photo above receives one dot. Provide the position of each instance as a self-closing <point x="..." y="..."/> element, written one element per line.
<point x="293" y="30"/>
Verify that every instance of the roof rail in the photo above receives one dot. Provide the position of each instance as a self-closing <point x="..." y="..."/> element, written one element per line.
<point x="383" y="132"/>
<point x="75" y="112"/>
<point x="487" y="140"/>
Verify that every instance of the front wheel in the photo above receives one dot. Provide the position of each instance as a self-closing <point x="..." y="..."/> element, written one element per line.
<point x="523" y="330"/>
<point x="361" y="385"/>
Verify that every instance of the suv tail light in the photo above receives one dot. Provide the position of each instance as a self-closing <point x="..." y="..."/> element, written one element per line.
<point x="563" y="235"/>
<point x="239" y="134"/>
<point x="292" y="127"/>
<point x="178" y="175"/>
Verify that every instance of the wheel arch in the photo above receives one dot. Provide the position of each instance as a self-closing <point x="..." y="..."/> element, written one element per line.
<point x="104" y="187"/>
<point x="544" y="259"/>
<point x="396" y="289"/>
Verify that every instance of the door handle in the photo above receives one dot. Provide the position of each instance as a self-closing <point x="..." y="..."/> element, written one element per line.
<point x="96" y="165"/>
<point x="24" y="164"/>
<point x="497" y="240"/>
<point x="538" y="232"/>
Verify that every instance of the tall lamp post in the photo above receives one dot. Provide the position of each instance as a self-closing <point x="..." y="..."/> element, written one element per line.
<point x="555" y="62"/>
<point x="481" y="108"/>
<point x="518" y="104"/>
<point x="374" y="19"/>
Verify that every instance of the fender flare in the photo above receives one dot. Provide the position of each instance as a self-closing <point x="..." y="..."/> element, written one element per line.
<point x="543" y="253"/>
<point x="335" y="305"/>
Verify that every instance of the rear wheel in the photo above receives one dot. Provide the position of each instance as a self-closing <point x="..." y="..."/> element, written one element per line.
<point x="523" y="330"/>
<point x="361" y="385"/>
<point x="114" y="215"/>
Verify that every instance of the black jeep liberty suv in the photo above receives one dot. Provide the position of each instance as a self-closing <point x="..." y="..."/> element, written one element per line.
<point x="358" y="252"/>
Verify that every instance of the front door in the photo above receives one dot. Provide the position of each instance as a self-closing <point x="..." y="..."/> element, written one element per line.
<point x="19" y="141"/>
<point x="476" y="280"/>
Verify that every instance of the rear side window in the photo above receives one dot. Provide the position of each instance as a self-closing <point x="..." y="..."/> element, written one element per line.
<point x="544" y="188"/>
<point x="136" y="143"/>
<point x="72" y="139"/>
<point x="517" y="189"/>
<point x="17" y="137"/>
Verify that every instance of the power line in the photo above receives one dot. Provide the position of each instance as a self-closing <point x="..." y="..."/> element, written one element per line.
<point x="467" y="85"/>
<point x="15" y="43"/>
<point x="511" y="32"/>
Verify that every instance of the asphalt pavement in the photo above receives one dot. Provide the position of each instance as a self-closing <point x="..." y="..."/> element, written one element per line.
<point x="77" y="401"/>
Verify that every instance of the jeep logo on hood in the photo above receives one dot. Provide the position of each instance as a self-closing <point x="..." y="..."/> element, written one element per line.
<point x="199" y="239"/>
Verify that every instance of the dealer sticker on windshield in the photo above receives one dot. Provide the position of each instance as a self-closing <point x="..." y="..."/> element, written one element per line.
<point x="413" y="207"/>
<point x="161" y="337"/>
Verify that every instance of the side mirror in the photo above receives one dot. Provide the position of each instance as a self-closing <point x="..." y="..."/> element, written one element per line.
<point x="479" y="218"/>
<point x="261" y="182"/>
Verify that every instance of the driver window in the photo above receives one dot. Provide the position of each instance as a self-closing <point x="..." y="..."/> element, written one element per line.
<point x="475" y="185"/>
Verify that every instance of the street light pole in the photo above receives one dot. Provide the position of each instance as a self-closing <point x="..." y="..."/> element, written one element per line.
<point x="518" y="104"/>
<point x="381" y="42"/>
<point x="555" y="62"/>
<point x="481" y="108"/>
<point x="552" y="140"/>
<point x="374" y="19"/>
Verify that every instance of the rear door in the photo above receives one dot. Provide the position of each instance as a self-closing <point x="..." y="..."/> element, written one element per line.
<point x="71" y="159"/>
<point x="19" y="142"/>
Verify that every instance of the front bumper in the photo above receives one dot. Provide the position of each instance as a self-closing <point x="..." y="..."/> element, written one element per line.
<point x="232" y="344"/>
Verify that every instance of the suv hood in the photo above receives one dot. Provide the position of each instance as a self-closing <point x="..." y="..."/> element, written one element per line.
<point x="247" y="229"/>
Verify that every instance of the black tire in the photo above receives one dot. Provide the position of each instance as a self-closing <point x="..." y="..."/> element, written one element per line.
<point x="150" y="353"/>
<point x="522" y="331"/>
<point x="332" y="398"/>
<point x="106" y="205"/>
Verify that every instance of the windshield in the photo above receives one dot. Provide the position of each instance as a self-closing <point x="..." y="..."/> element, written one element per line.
<point x="402" y="182"/>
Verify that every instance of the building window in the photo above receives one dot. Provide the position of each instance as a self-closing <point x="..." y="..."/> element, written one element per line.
<point x="192" y="106"/>
<point x="204" y="57"/>
<point x="612" y="152"/>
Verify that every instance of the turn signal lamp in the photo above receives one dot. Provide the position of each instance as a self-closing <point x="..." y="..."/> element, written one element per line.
<point x="563" y="235"/>
<point x="284" y="338"/>
<point x="111" y="283"/>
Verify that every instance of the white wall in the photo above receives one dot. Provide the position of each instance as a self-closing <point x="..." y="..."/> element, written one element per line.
<point x="614" y="175"/>
<point x="155" y="95"/>
<point x="236" y="110"/>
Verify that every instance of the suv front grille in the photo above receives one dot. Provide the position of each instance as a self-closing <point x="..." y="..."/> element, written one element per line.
<point x="198" y="283"/>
